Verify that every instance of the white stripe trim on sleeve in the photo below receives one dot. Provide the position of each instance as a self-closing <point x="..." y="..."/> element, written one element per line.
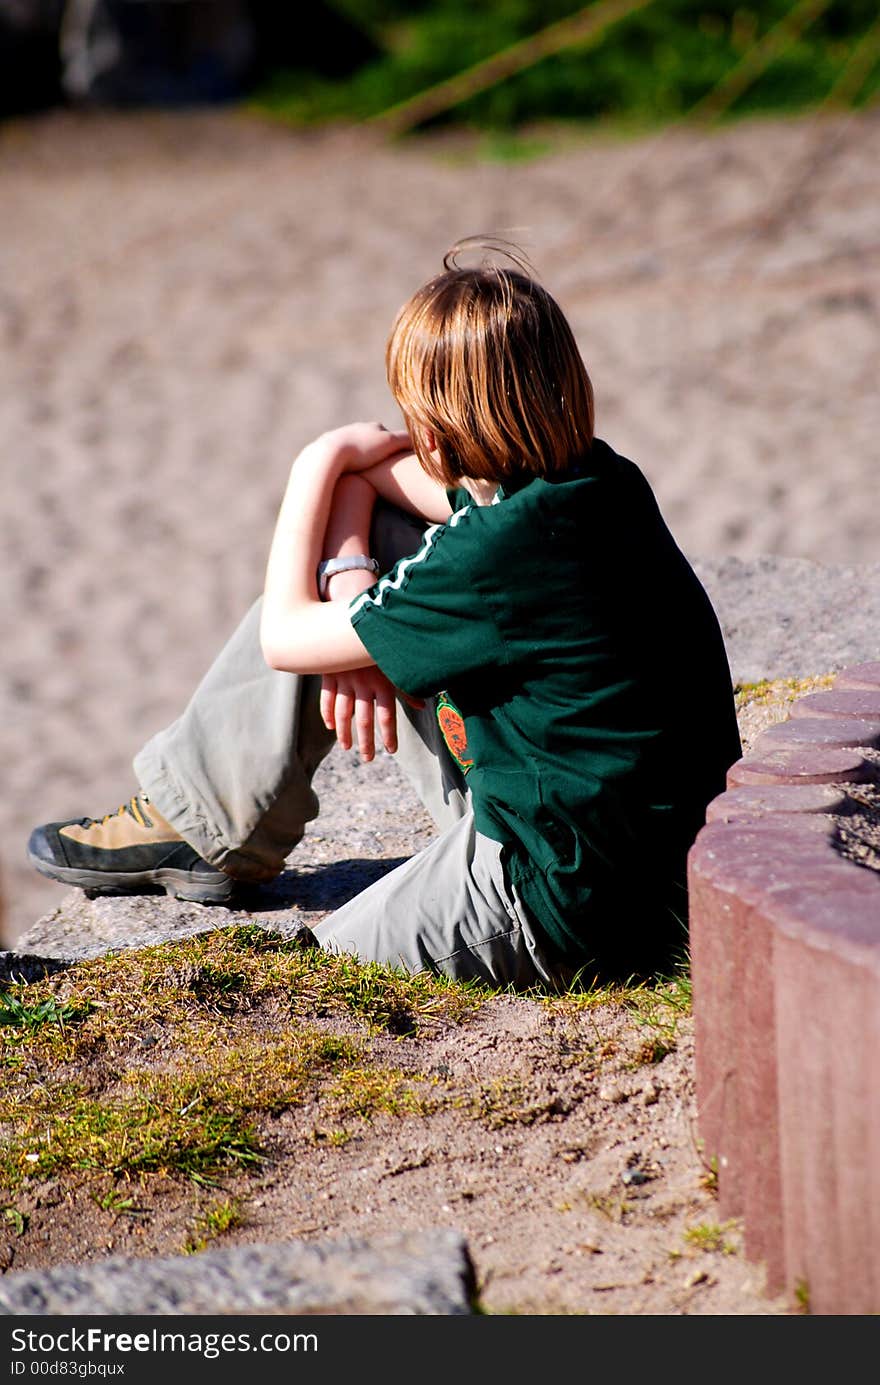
<point x="387" y="584"/>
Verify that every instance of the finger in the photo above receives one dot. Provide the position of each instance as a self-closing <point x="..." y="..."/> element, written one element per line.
<point x="386" y="716"/>
<point x="389" y="432"/>
<point x="365" y="729"/>
<point x="342" y="714"/>
<point x="328" y="699"/>
<point x="394" y="440"/>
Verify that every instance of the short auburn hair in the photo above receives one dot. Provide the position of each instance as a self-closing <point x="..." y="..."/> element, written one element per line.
<point x="484" y="360"/>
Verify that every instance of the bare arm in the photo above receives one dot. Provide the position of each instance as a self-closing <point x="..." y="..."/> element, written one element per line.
<point x="402" y="481"/>
<point x="299" y="632"/>
<point x="363" y="695"/>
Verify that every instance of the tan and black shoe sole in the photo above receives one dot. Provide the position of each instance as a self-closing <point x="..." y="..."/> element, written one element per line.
<point x="178" y="884"/>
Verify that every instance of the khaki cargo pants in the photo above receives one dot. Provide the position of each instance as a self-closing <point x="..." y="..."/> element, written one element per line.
<point x="234" y="776"/>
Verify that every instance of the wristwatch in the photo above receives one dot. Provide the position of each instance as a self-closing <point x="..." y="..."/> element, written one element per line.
<point x="331" y="566"/>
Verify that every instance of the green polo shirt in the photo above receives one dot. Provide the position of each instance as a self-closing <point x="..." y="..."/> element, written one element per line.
<point x="584" y="691"/>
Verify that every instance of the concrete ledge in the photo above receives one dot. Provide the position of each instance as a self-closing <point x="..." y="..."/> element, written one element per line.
<point x="793" y="618"/>
<point x="785" y="956"/>
<point x="424" y="1273"/>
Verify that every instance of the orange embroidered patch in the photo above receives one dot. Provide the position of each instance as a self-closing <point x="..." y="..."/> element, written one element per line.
<point x="451" y="724"/>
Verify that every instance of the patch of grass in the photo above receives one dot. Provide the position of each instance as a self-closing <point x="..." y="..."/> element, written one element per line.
<point x="508" y="1101"/>
<point x="116" y="1000"/>
<point x="15" y="1014"/>
<point x="147" y="1134"/>
<point x="802" y="1296"/>
<point x="17" y="1219"/>
<point x="365" y="1092"/>
<point x="672" y="988"/>
<point x="215" y="987"/>
<point x="170" y="1071"/>
<point x="584" y="995"/>
<point x="385" y="997"/>
<point x="116" y="1200"/>
<point x="193" y="1125"/>
<point x="332" y="1139"/>
<point x="660" y="1009"/>
<point x="216" y="1221"/>
<point x="658" y="1005"/>
<point x="653" y="1050"/>
<point x="709" y="1176"/>
<point x="712" y="1237"/>
<point x="779" y="689"/>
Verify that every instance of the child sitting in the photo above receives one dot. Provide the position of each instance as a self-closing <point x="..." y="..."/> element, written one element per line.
<point x="536" y="649"/>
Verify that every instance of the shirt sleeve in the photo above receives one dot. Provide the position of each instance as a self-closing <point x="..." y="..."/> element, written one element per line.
<point x="431" y="620"/>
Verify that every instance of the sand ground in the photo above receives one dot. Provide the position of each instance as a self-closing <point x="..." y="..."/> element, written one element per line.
<point x="185" y="299"/>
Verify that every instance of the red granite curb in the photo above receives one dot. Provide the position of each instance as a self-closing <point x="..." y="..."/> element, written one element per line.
<point x="785" y="964"/>
<point x="859" y="676"/>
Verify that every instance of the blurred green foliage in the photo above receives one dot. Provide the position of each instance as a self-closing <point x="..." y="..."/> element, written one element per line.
<point x="649" y="68"/>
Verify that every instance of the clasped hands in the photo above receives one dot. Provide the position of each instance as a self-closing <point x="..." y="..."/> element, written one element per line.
<point x="355" y="702"/>
<point x="362" y="699"/>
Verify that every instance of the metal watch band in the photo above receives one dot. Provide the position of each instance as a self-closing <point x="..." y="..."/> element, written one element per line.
<point x="330" y="566"/>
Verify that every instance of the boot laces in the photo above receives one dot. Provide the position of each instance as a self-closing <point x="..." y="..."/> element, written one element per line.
<point x="134" y="809"/>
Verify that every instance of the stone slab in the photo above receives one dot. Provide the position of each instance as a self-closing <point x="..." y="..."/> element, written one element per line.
<point x="860" y="676"/>
<point x="785" y="962"/>
<point x="862" y="703"/>
<point x="415" y="1273"/>
<point x="739" y="874"/>
<point x="806" y="764"/>
<point x="827" y="987"/>
<point x="79" y="928"/>
<point x="753" y="801"/>
<point x="828" y="732"/>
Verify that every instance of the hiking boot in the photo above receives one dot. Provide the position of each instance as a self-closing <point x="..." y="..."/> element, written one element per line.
<point x="131" y="851"/>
